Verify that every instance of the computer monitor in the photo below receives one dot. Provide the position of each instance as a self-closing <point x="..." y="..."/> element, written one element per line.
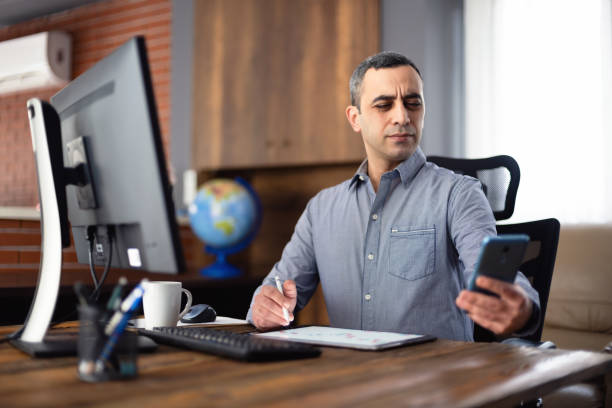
<point x="100" y="161"/>
<point x="111" y="108"/>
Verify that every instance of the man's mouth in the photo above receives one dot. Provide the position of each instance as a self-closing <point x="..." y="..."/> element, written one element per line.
<point x="401" y="136"/>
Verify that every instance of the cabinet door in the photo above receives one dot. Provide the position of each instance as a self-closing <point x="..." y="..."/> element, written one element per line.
<point x="271" y="80"/>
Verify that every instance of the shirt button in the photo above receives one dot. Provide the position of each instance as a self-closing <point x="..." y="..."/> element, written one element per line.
<point x="374" y="217"/>
<point x="370" y="256"/>
<point x="368" y="297"/>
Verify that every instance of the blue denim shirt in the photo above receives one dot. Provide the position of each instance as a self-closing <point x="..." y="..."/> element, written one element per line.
<point x="394" y="260"/>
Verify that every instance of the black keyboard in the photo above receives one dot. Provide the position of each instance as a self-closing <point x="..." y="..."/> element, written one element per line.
<point x="240" y="346"/>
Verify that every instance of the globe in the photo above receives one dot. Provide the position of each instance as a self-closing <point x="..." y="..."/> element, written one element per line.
<point x="225" y="215"/>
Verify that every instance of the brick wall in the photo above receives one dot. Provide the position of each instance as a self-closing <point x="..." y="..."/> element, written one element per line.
<point x="20" y="242"/>
<point x="96" y="30"/>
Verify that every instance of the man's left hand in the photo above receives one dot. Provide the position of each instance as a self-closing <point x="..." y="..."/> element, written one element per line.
<point x="504" y="315"/>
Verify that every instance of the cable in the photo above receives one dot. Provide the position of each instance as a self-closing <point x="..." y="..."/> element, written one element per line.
<point x="13" y="335"/>
<point x="18" y="332"/>
<point x="96" y="293"/>
<point x="91" y="238"/>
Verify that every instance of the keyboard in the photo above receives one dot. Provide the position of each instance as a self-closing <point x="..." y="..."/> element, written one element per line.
<point x="224" y="343"/>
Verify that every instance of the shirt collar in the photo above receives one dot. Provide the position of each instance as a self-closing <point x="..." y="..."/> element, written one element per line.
<point x="361" y="174"/>
<point x="406" y="169"/>
<point x="411" y="166"/>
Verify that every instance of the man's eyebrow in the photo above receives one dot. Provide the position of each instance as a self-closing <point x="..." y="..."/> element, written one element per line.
<point x="414" y="95"/>
<point x="392" y="97"/>
<point x="383" y="98"/>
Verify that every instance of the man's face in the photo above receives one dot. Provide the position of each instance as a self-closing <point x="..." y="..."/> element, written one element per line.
<point x="392" y="112"/>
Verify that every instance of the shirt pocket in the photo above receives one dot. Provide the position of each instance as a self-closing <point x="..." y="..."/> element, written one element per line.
<point x="412" y="252"/>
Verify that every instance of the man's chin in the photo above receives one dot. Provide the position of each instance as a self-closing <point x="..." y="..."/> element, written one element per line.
<point x="403" y="154"/>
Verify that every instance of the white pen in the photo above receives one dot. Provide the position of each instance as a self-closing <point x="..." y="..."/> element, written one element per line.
<point x="280" y="289"/>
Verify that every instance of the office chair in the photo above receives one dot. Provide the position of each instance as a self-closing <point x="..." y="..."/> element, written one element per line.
<point x="537" y="265"/>
<point x="500" y="176"/>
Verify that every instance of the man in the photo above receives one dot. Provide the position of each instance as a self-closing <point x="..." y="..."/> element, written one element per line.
<point x="394" y="246"/>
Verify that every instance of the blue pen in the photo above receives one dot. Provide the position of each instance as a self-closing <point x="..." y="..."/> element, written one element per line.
<point x="136" y="293"/>
<point x="128" y="306"/>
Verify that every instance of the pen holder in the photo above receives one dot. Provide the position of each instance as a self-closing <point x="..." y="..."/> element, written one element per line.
<point x="121" y="362"/>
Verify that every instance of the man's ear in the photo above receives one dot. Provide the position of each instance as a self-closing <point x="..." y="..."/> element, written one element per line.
<point x="352" y="114"/>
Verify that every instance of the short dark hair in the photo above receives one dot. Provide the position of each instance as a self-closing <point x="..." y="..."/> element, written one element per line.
<point x="385" y="59"/>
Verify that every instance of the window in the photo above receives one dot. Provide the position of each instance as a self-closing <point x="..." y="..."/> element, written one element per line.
<point x="539" y="88"/>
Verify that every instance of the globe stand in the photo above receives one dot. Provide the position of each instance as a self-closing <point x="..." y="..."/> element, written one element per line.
<point x="221" y="269"/>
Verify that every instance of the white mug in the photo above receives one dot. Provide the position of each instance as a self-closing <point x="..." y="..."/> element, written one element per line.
<point x="161" y="303"/>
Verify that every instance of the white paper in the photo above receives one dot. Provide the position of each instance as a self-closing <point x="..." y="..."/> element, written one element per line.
<point x="330" y="336"/>
<point x="219" y="321"/>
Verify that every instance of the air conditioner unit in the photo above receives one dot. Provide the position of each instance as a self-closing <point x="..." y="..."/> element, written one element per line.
<point x="35" y="61"/>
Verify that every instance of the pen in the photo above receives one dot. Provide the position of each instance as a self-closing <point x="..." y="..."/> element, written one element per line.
<point x="127" y="306"/>
<point x="115" y="299"/>
<point x="79" y="290"/>
<point x="280" y="289"/>
<point x="81" y="293"/>
<point x="110" y="344"/>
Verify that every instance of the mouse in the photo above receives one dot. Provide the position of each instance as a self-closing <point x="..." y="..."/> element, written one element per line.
<point x="199" y="314"/>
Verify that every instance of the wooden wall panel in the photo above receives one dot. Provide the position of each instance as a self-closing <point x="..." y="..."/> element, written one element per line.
<point x="271" y="80"/>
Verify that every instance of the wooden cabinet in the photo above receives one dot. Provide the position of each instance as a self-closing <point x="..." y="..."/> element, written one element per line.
<point x="271" y="80"/>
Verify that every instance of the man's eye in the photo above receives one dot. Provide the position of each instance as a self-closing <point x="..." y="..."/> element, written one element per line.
<point x="413" y="105"/>
<point x="384" y="106"/>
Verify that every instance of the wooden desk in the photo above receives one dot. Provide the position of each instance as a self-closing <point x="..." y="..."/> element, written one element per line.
<point x="442" y="374"/>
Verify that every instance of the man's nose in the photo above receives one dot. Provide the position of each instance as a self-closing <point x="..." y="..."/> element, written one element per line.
<point x="400" y="115"/>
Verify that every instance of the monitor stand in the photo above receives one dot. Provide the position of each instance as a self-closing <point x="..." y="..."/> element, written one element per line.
<point x="44" y="127"/>
<point x="53" y="345"/>
<point x="52" y="178"/>
<point x="65" y="344"/>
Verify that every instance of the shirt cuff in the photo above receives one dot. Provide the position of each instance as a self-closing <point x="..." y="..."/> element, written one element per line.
<point x="532" y="324"/>
<point x="249" y="316"/>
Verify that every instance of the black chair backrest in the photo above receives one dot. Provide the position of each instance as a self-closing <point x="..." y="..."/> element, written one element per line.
<point x="540" y="258"/>
<point x="499" y="175"/>
<point x="537" y="265"/>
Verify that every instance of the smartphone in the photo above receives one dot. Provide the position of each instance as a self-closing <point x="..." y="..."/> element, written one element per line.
<point x="500" y="257"/>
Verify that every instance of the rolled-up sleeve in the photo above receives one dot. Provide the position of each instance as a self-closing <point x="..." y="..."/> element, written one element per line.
<point x="297" y="262"/>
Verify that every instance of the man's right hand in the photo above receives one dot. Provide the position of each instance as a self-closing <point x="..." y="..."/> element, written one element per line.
<point x="268" y="306"/>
